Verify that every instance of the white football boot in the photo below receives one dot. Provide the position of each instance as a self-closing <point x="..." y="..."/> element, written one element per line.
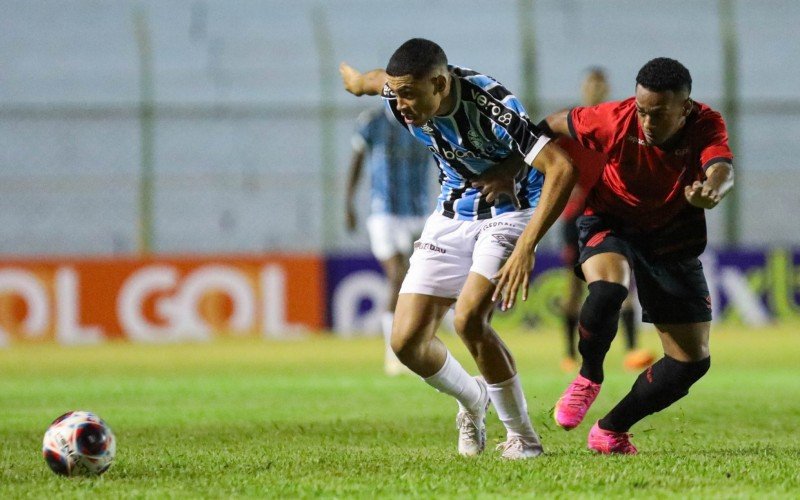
<point x="520" y="448"/>
<point x="471" y="425"/>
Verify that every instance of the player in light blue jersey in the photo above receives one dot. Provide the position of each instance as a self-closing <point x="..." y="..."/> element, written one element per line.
<point x="503" y="184"/>
<point x="399" y="169"/>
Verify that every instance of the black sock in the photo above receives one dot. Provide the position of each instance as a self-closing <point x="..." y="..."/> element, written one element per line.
<point x="655" y="389"/>
<point x="570" y="332"/>
<point x="629" y="327"/>
<point x="598" y="326"/>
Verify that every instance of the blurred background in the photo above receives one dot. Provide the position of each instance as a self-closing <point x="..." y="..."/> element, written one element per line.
<point x="207" y="143"/>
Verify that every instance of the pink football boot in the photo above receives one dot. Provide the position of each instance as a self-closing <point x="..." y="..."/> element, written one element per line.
<point x="575" y="402"/>
<point x="608" y="442"/>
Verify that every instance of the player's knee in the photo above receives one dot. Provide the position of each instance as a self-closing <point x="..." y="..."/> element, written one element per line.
<point x="600" y="314"/>
<point x="469" y="324"/>
<point x="605" y="297"/>
<point x="691" y="371"/>
<point x="406" y="337"/>
<point x="406" y="348"/>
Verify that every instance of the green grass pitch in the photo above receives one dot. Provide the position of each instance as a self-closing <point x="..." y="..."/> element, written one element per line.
<point x="317" y="418"/>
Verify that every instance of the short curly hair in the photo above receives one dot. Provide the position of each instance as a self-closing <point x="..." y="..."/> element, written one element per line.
<point x="416" y="57"/>
<point x="662" y="74"/>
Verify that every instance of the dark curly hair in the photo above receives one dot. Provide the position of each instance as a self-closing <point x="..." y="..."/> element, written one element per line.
<point x="416" y="57"/>
<point x="662" y="74"/>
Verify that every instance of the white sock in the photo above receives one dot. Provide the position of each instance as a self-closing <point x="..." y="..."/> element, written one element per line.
<point x="387" y="319"/>
<point x="454" y="380"/>
<point x="512" y="409"/>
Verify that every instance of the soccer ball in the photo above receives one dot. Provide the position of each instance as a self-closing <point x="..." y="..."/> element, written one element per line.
<point x="79" y="443"/>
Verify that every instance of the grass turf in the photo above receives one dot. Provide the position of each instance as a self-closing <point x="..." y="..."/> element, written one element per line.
<point x="317" y="418"/>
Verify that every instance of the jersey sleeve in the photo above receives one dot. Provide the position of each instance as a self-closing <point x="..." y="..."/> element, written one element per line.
<point x="592" y="126"/>
<point x="714" y="137"/>
<point x="363" y="136"/>
<point x="510" y="124"/>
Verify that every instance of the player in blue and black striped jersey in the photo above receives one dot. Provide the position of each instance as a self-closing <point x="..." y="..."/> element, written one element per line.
<point x="503" y="185"/>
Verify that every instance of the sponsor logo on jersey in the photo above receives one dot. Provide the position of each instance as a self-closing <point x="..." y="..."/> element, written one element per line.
<point x="419" y="245"/>
<point x="498" y="223"/>
<point x="452" y="154"/>
<point x="636" y="140"/>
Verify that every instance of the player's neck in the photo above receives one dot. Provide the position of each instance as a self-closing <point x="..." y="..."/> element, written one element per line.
<point x="449" y="102"/>
<point x="674" y="140"/>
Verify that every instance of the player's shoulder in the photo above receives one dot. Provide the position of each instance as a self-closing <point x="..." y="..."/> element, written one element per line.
<point x="370" y="116"/>
<point x="474" y="84"/>
<point x="621" y="108"/>
<point x="706" y="123"/>
<point x="706" y="115"/>
<point x="470" y="75"/>
<point x="609" y="109"/>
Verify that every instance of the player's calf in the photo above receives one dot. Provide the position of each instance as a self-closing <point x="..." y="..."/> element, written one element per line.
<point x="656" y="388"/>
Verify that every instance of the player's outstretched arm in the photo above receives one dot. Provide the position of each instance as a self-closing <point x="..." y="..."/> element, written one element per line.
<point x="559" y="179"/>
<point x="358" y="83"/>
<point x="556" y="123"/>
<point x="707" y="194"/>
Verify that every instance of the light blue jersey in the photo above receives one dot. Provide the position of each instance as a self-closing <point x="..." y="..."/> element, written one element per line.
<point x="398" y="165"/>
<point x="486" y="125"/>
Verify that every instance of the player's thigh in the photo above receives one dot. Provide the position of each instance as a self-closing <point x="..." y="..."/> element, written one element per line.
<point x="608" y="266"/>
<point x="474" y="303"/>
<point x="672" y="292"/>
<point x="685" y="341"/>
<point x="604" y="256"/>
<point x="441" y="259"/>
<point x="495" y="240"/>
<point x="417" y="317"/>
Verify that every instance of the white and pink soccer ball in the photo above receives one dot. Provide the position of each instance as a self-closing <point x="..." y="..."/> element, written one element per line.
<point x="79" y="443"/>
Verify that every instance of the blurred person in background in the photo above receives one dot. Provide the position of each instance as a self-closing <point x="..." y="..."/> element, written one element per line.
<point x="594" y="90"/>
<point x="398" y="168"/>
<point x="503" y="184"/>
<point x="668" y="161"/>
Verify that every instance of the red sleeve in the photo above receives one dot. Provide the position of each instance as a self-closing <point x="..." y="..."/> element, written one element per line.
<point x="593" y="126"/>
<point x="714" y="140"/>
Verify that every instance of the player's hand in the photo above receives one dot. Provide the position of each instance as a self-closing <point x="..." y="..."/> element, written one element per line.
<point x="351" y="219"/>
<point x="514" y="275"/>
<point x="501" y="180"/>
<point x="701" y="195"/>
<point x="494" y="185"/>
<point x="352" y="79"/>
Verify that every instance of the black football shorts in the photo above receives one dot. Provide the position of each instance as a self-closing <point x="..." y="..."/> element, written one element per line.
<point x="669" y="290"/>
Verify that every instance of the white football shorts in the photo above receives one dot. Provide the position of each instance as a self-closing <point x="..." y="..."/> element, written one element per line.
<point x="390" y="235"/>
<point x="450" y="249"/>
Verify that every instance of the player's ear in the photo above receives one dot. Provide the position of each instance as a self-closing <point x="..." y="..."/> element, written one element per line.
<point x="687" y="106"/>
<point x="439" y="84"/>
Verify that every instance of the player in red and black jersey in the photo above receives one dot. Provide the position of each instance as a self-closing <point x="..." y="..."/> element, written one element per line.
<point x="668" y="161"/>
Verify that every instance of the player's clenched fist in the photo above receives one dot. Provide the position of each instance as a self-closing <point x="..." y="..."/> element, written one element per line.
<point x="701" y="195"/>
